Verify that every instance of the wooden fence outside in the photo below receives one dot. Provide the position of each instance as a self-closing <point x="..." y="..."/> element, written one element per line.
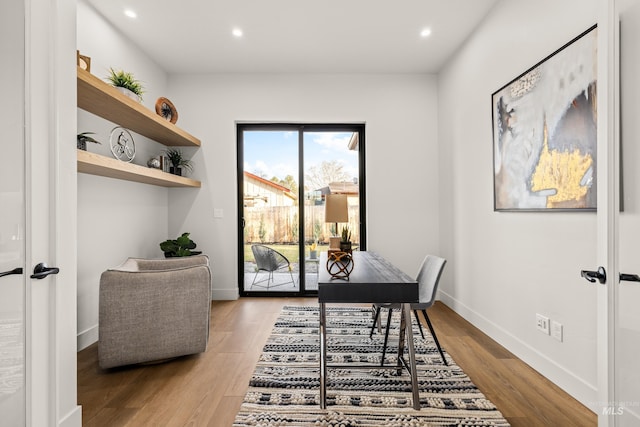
<point x="280" y="224"/>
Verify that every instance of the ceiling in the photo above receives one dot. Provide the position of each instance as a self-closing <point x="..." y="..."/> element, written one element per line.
<point x="297" y="36"/>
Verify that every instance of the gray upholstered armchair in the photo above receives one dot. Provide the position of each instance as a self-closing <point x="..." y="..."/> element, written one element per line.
<point x="152" y="310"/>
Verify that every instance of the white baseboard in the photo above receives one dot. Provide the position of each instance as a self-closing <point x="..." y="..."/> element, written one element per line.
<point x="224" y="294"/>
<point x="72" y="419"/>
<point x="87" y="337"/>
<point x="582" y="391"/>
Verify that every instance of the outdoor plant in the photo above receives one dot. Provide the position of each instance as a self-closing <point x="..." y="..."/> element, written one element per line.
<point x="178" y="160"/>
<point x="119" y="78"/>
<point x="182" y="246"/>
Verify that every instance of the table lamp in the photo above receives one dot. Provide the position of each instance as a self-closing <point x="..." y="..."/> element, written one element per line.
<point x="335" y="210"/>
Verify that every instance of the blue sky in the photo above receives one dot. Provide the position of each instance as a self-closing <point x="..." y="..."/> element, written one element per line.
<point x="275" y="153"/>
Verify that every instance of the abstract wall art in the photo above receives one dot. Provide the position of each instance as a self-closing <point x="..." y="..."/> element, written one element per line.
<point x="544" y="133"/>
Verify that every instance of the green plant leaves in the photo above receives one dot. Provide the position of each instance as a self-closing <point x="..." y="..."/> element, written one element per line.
<point x="126" y="80"/>
<point x="182" y="246"/>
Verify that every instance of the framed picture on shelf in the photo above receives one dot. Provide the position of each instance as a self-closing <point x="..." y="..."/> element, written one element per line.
<point x="83" y="61"/>
<point x="544" y="133"/>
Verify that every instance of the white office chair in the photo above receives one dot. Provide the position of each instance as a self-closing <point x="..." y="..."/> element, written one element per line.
<point x="428" y="279"/>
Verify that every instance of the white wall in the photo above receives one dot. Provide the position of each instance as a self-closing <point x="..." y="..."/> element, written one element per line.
<point x="116" y="219"/>
<point x="400" y="112"/>
<point x="506" y="267"/>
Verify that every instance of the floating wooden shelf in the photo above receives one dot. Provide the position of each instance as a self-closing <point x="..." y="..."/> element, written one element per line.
<point x="101" y="99"/>
<point x="95" y="164"/>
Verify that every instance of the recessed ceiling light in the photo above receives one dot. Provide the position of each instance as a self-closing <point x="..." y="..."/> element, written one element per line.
<point x="130" y="13"/>
<point x="425" y="33"/>
<point x="237" y="32"/>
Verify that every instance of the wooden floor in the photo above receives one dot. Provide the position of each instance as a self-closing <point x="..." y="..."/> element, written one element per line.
<point x="207" y="389"/>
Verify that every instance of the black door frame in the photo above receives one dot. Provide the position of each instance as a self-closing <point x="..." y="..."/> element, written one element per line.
<point x="301" y="128"/>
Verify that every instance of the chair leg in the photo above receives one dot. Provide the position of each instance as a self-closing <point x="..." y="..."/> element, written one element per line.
<point x="270" y="279"/>
<point x="254" y="279"/>
<point x="386" y="337"/>
<point x="292" y="279"/>
<point x="415" y="312"/>
<point x="375" y="321"/>
<point x="435" y="338"/>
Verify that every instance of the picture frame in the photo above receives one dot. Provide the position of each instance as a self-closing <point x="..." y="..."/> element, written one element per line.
<point x="83" y="61"/>
<point x="545" y="133"/>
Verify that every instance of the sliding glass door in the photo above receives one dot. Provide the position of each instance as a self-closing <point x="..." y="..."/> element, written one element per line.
<point x="285" y="173"/>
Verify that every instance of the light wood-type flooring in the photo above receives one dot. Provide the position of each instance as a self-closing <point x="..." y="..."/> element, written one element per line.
<point x="207" y="389"/>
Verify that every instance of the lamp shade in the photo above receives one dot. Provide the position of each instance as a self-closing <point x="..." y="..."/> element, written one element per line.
<point x="335" y="208"/>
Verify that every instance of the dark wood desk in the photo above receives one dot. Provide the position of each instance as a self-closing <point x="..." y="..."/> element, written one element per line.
<point x="373" y="280"/>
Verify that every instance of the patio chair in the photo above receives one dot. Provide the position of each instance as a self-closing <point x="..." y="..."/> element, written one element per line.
<point x="270" y="260"/>
<point x="428" y="280"/>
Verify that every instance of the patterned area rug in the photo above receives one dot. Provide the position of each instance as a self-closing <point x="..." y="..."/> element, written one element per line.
<point x="284" y="389"/>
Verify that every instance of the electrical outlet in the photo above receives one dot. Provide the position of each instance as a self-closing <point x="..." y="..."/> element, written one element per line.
<point x="556" y="330"/>
<point x="542" y="323"/>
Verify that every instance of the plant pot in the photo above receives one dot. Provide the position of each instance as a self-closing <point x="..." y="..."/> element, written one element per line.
<point x="313" y="254"/>
<point x="173" y="255"/>
<point x="128" y="93"/>
<point x="175" y="171"/>
<point x="345" y="246"/>
<point x="82" y="145"/>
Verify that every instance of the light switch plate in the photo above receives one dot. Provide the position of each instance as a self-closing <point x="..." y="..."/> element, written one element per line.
<point x="556" y="330"/>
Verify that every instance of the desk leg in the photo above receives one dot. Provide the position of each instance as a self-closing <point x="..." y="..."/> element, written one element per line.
<point x="401" y="338"/>
<point x="406" y="310"/>
<point x="323" y="357"/>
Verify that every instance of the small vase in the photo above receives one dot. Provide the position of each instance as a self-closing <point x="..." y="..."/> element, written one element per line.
<point x="128" y="93"/>
<point x="175" y="171"/>
<point x="345" y="246"/>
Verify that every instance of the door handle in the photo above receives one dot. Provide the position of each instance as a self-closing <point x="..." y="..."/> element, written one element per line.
<point x="14" y="271"/>
<point x="629" y="277"/>
<point x="41" y="271"/>
<point x="600" y="275"/>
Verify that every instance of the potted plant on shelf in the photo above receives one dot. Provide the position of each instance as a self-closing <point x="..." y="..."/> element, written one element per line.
<point x="182" y="246"/>
<point x="178" y="162"/>
<point x="83" y="138"/>
<point x="345" y="239"/>
<point x="126" y="83"/>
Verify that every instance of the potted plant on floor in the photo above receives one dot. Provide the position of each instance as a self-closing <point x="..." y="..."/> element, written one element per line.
<point x="178" y="162"/>
<point x="182" y="246"/>
<point x="126" y="83"/>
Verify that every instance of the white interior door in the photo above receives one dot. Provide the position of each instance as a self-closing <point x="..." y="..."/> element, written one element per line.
<point x="627" y="299"/>
<point x="51" y="211"/>
<point x="38" y="204"/>
<point x="12" y="218"/>
<point x="618" y="155"/>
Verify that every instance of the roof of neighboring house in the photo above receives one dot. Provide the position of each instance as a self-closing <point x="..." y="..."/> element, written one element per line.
<point x="287" y="192"/>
